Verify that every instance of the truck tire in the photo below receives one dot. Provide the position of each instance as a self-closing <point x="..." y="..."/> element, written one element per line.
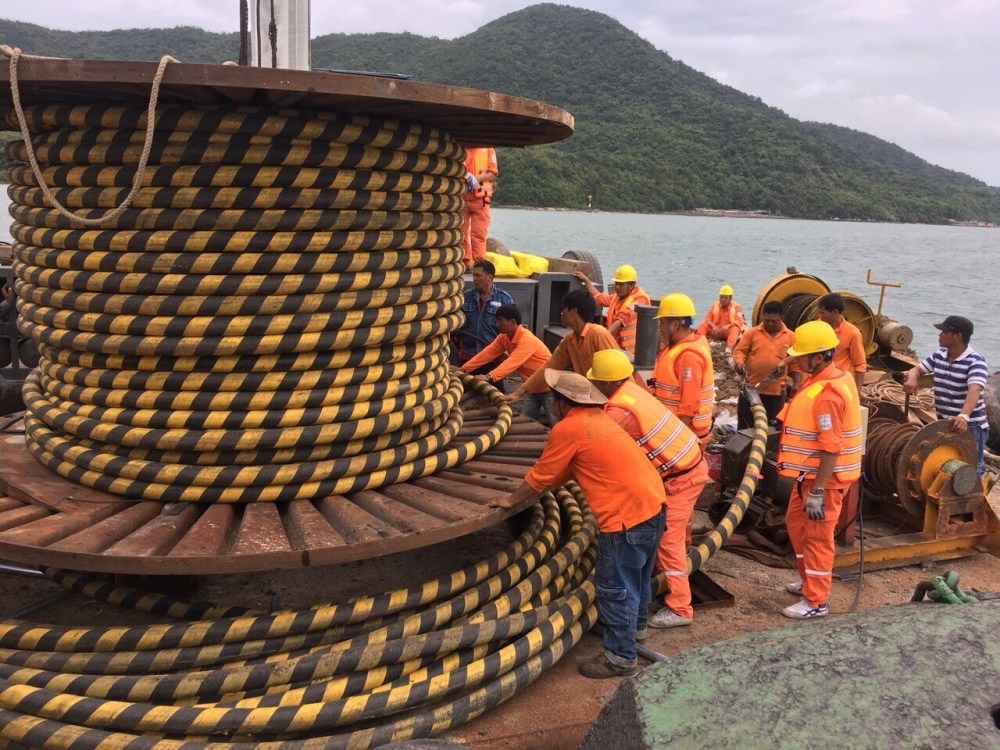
<point x="595" y="275"/>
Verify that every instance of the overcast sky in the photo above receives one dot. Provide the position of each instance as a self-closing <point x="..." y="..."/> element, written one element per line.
<point x="919" y="73"/>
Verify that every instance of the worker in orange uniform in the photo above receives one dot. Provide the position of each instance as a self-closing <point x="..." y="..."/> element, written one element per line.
<point x="576" y="350"/>
<point x="820" y="447"/>
<point x="625" y="494"/>
<point x="724" y="321"/>
<point x="850" y="356"/>
<point x="675" y="453"/>
<point x="622" y="316"/>
<point x="480" y="172"/>
<point x="525" y="353"/>
<point x="760" y="357"/>
<point x="683" y="378"/>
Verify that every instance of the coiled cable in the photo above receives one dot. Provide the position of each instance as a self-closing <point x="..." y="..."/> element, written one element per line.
<point x="191" y="347"/>
<point x="402" y="664"/>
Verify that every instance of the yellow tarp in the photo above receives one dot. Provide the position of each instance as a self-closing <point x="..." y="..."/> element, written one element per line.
<point x="518" y="265"/>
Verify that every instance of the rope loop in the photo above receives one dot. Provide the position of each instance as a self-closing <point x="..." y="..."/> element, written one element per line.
<point x="15" y="91"/>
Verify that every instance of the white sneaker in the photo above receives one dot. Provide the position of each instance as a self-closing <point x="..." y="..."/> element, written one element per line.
<point x="794" y="588"/>
<point x="667" y="618"/>
<point x="802" y="610"/>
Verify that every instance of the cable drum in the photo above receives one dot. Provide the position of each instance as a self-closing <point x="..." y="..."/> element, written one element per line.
<point x="266" y="319"/>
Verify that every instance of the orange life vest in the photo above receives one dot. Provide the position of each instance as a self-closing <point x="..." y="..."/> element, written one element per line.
<point x="479" y="160"/>
<point x="734" y="311"/>
<point x="667" y="383"/>
<point x="670" y="446"/>
<point x="626" y="336"/>
<point x="798" y="451"/>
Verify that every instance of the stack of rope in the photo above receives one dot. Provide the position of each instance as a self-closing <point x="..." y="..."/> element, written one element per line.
<point x="406" y="663"/>
<point x="267" y="319"/>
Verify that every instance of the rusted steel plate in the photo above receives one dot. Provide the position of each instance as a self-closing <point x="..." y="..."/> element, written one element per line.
<point x="47" y="520"/>
<point x="101" y="535"/>
<point x="475" y="118"/>
<point x="158" y="536"/>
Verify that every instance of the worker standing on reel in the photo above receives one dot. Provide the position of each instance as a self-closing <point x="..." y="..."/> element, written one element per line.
<point x="586" y="445"/>
<point x="622" y="316"/>
<point x="675" y="453"/>
<point x="684" y="378"/>
<point x="724" y="321"/>
<point x="480" y="172"/>
<point x="821" y="448"/>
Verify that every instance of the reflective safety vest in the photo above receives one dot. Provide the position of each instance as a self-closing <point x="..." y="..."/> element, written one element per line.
<point x="669" y="445"/>
<point x="798" y="451"/>
<point x="667" y="383"/>
<point x="734" y="311"/>
<point x="626" y="336"/>
<point x="479" y="160"/>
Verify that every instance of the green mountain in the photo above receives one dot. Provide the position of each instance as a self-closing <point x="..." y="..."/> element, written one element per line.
<point x="652" y="134"/>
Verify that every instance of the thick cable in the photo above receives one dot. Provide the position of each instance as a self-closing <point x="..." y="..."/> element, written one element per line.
<point x="262" y="249"/>
<point x="415" y="672"/>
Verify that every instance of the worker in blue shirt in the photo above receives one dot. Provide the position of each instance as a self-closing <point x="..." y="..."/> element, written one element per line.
<point x="480" y="308"/>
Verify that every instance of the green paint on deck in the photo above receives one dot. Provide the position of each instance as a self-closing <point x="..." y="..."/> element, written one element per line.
<point x="913" y="676"/>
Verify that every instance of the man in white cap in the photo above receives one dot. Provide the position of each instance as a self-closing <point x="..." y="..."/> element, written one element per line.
<point x="674" y="451"/>
<point x="627" y="497"/>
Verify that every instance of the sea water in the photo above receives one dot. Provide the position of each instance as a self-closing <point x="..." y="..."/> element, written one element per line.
<point x="942" y="270"/>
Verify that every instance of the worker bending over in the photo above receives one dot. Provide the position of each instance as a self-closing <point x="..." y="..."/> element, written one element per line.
<point x="820" y="447"/>
<point x="850" y="356"/>
<point x="622" y="316"/>
<point x="683" y="378"/>
<point x="724" y="321"/>
<point x="576" y="350"/>
<point x="525" y="354"/>
<point x="675" y="453"/>
<point x="625" y="494"/>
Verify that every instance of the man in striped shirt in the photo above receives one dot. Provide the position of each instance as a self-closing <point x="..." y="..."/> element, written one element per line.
<point x="959" y="379"/>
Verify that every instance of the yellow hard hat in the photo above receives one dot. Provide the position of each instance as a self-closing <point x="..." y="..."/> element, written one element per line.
<point x="625" y="273"/>
<point x="725" y="291"/>
<point x="813" y="337"/>
<point x="675" y="305"/>
<point x="610" y="365"/>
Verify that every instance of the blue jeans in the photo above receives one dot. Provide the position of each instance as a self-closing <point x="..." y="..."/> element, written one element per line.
<point x="624" y="568"/>
<point x="532" y="403"/>
<point x="979" y="435"/>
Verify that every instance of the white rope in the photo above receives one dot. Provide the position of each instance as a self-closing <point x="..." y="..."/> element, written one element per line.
<point x="14" y="55"/>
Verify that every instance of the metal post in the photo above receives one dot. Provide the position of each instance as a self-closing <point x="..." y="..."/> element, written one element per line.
<point x="646" y="335"/>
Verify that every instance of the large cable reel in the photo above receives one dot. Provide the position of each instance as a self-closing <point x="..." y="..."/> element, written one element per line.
<point x="267" y="320"/>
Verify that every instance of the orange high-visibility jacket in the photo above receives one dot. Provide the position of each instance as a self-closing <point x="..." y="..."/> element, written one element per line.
<point x="481" y="160"/>
<point x="624" y="309"/>
<point x="670" y="446"/>
<point x="733" y="314"/>
<point x="667" y="382"/>
<point x="799" y="452"/>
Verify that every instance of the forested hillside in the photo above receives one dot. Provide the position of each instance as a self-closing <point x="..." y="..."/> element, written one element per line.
<point x="652" y="134"/>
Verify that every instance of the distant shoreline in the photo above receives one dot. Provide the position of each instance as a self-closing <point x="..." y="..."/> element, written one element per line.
<point x="731" y="213"/>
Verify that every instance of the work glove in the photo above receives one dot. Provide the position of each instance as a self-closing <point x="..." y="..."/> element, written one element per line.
<point x="814" y="506"/>
<point x="471" y="182"/>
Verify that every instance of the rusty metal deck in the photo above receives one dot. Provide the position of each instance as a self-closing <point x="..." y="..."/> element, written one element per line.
<point x="47" y="520"/>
